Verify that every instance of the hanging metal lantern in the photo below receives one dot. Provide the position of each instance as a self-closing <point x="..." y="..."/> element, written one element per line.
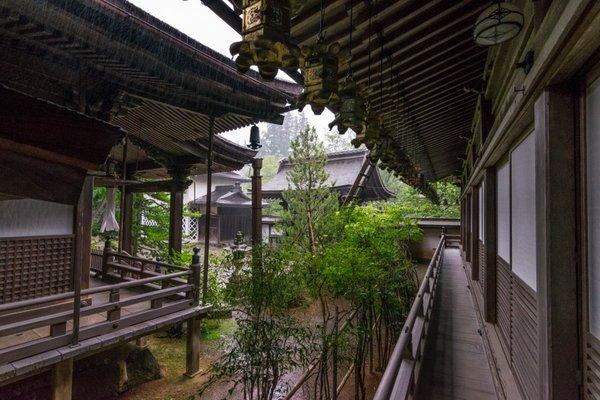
<point x="254" y="138"/>
<point x="320" y="64"/>
<point x="498" y="23"/>
<point x="351" y="108"/>
<point x="372" y="128"/>
<point x="266" y="38"/>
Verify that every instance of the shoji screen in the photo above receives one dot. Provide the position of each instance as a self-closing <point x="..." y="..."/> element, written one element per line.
<point x="503" y="211"/>
<point x="593" y="205"/>
<point x="523" y="239"/>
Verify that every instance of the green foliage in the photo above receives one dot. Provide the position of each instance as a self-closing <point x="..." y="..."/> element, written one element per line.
<point x="415" y="204"/>
<point x="309" y="198"/>
<point x="369" y="249"/>
<point x="268" y="343"/>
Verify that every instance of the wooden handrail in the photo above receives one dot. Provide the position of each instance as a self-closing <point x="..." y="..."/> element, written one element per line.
<point x="398" y="379"/>
<point x="145" y="261"/>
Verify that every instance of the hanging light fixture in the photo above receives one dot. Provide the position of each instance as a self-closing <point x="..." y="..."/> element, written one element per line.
<point x="351" y="102"/>
<point x="266" y="38"/>
<point x="254" y="138"/>
<point x="498" y="23"/>
<point x="320" y="64"/>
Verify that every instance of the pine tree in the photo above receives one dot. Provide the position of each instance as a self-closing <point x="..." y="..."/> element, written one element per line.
<point x="310" y="199"/>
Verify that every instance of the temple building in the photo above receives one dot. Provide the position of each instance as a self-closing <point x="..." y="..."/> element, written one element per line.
<point x="351" y="174"/>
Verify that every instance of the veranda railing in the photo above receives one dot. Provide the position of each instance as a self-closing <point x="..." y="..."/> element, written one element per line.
<point x="401" y="375"/>
<point x="181" y="288"/>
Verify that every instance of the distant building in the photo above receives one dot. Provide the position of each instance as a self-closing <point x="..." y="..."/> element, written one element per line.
<point x="231" y="212"/>
<point x="350" y="172"/>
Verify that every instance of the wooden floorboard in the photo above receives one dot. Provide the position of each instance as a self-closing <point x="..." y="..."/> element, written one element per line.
<point x="454" y="364"/>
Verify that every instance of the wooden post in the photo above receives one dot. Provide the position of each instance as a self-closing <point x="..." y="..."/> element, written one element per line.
<point x="468" y="232"/>
<point x="123" y="190"/>
<point x="208" y="207"/>
<point x="556" y="242"/>
<point x="127" y="221"/>
<point x="62" y="380"/>
<point x="86" y="233"/>
<point x="176" y="221"/>
<point x="82" y="248"/>
<point x="179" y="175"/>
<point x="196" y="277"/>
<point x="256" y="203"/>
<point x="105" y="257"/>
<point x="491" y="245"/>
<point x="474" y="242"/>
<point x="193" y="347"/>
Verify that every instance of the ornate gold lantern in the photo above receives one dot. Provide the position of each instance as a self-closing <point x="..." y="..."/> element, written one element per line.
<point x="266" y="38"/>
<point x="320" y="64"/>
<point x="351" y="108"/>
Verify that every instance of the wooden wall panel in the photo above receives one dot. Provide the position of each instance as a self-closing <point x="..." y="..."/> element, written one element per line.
<point x="592" y="368"/>
<point x="482" y="264"/>
<point x="503" y="301"/>
<point x="525" y="337"/>
<point x="35" y="266"/>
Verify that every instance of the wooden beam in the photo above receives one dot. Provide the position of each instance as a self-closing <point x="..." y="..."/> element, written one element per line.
<point x="556" y="239"/>
<point x="491" y="244"/>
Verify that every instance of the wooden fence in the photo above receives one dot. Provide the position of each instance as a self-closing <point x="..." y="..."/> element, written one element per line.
<point x="401" y="375"/>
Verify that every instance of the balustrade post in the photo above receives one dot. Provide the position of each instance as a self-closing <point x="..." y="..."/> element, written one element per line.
<point x="192" y="358"/>
<point x="105" y="255"/>
<point x="115" y="313"/>
<point x="195" y="278"/>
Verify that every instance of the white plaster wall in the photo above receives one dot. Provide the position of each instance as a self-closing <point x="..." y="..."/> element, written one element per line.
<point x="523" y="237"/>
<point x="28" y="217"/>
<point x="593" y="205"/>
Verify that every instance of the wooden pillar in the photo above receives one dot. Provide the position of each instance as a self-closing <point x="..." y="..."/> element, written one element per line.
<point x="491" y="245"/>
<point x="256" y="202"/>
<point x="209" y="161"/>
<point x="127" y="220"/>
<point x="81" y="259"/>
<point x="62" y="380"/>
<point x="556" y="239"/>
<point x="176" y="221"/>
<point x="122" y="205"/>
<point x="468" y="237"/>
<point x="474" y="242"/>
<point x="463" y="221"/>
<point x="83" y="223"/>
<point x="180" y="182"/>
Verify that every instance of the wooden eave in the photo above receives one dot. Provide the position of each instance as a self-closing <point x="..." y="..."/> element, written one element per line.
<point x="416" y="82"/>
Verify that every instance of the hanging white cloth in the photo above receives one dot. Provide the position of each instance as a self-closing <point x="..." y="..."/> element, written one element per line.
<point x="109" y="221"/>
